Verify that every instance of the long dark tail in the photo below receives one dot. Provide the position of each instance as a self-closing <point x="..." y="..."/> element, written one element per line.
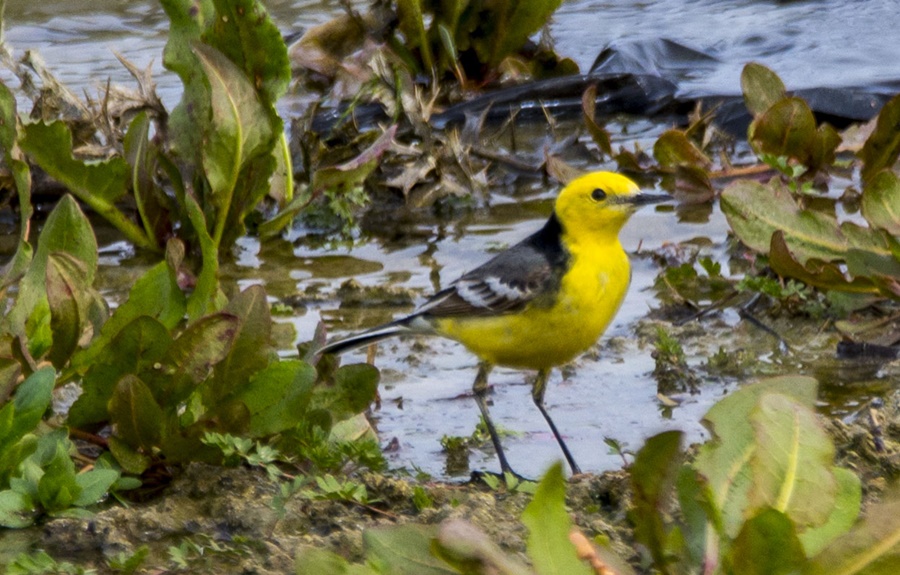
<point x="367" y="337"/>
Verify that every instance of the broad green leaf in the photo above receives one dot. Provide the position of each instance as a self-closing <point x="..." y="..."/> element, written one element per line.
<point x="871" y="548"/>
<point x="725" y="460"/>
<point x="549" y="548"/>
<point x="246" y="35"/>
<point x="99" y="184"/>
<point x="351" y="392"/>
<point x="238" y="129"/>
<point x="278" y="396"/>
<point x="128" y="457"/>
<point x="463" y="545"/>
<point x="155" y="294"/>
<point x="843" y="515"/>
<point x="768" y="545"/>
<point x="22" y="414"/>
<point x="136" y="415"/>
<point x="652" y="479"/>
<point x="756" y="211"/>
<point x="16" y="510"/>
<point x="68" y="231"/>
<point x="883" y="147"/>
<point x="66" y="281"/>
<point x="792" y="462"/>
<point x="404" y="550"/>
<point x="787" y="128"/>
<point x="194" y="353"/>
<point x="57" y="488"/>
<point x="815" y="272"/>
<point x="881" y="202"/>
<point x="94" y="485"/>
<point x="761" y="88"/>
<point x="824" y="147"/>
<point x="135" y="350"/>
<point x="252" y="349"/>
<point x="188" y="19"/>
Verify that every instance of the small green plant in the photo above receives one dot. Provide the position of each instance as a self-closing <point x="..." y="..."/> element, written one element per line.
<point x="330" y="487"/>
<point x="40" y="563"/>
<point x="129" y="563"/>
<point x="671" y="371"/>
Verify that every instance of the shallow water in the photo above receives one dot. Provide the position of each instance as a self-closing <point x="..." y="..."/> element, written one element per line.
<point x="424" y="394"/>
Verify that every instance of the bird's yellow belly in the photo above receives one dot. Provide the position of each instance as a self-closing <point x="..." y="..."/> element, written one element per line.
<point x="541" y="337"/>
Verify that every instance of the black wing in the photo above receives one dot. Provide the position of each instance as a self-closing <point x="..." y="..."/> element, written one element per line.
<point x="508" y="282"/>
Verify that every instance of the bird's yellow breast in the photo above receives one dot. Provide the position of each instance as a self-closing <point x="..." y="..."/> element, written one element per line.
<point x="543" y="336"/>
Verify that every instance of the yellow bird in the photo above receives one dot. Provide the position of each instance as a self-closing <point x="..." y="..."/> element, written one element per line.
<point x="540" y="303"/>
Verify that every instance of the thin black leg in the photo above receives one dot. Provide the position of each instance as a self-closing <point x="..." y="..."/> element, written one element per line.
<point x="479" y="389"/>
<point x="537" y="393"/>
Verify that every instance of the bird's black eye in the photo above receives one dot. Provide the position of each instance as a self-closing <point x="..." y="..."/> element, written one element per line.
<point x="598" y="195"/>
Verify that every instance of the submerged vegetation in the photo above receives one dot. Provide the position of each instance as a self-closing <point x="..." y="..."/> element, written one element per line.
<point x="185" y="371"/>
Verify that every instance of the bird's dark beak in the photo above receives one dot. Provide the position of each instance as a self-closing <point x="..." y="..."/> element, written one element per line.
<point x="644" y="198"/>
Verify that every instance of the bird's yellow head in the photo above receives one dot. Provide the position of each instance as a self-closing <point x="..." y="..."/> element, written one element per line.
<point x="598" y="204"/>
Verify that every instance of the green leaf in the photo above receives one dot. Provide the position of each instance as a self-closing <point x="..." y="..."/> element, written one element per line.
<point x="137" y="350"/>
<point x="787" y="128"/>
<point x="252" y="349"/>
<point x="188" y="19"/>
<point x="16" y="510"/>
<point x="652" y="478"/>
<point x="68" y="231"/>
<point x="792" y="462"/>
<point x="725" y="460"/>
<point x="98" y="184"/>
<point x="65" y="282"/>
<point x="768" y="545"/>
<point x="548" y="523"/>
<point x="22" y="414"/>
<point x="881" y="202"/>
<point x="352" y="391"/>
<point x="756" y="211"/>
<point x="816" y="272"/>
<point x="246" y="35"/>
<point x="57" y="488"/>
<point x="192" y="356"/>
<point x="136" y="415"/>
<point x="882" y="147"/>
<point x="207" y="297"/>
<point x="155" y="294"/>
<point x="239" y="129"/>
<point x="843" y="515"/>
<point x="404" y="550"/>
<point x="94" y="485"/>
<point x="278" y="396"/>
<point x="762" y="88"/>
<point x="129" y="458"/>
<point x="871" y="548"/>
